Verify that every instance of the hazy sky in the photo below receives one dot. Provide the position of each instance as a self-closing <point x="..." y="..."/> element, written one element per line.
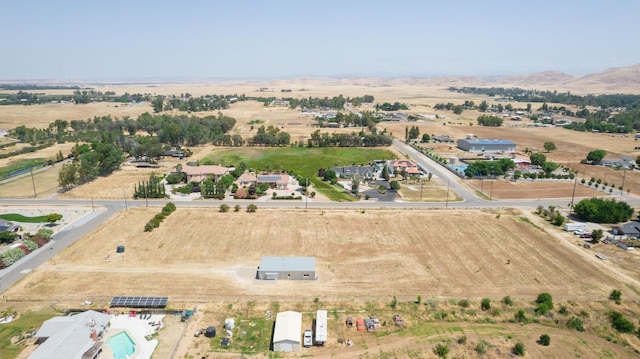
<point x="129" y="40"/>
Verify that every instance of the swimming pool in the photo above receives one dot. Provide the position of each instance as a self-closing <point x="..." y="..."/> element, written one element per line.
<point x="121" y="345"/>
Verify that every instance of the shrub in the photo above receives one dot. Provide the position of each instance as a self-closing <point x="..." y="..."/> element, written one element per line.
<point x="463" y="303"/>
<point x="441" y="350"/>
<point x="616" y="295"/>
<point x="462" y="340"/>
<point x="224" y="208"/>
<point x="7" y="237"/>
<point x="563" y="310"/>
<point x="481" y="347"/>
<point x="395" y="185"/>
<point x="544" y="340"/>
<point x="237" y="208"/>
<point x="507" y="301"/>
<point x="252" y="208"/>
<point x="518" y="349"/>
<point x="11" y="256"/>
<point x="575" y="323"/>
<point x="485" y="304"/>
<point x="545" y="303"/>
<point x="620" y="323"/>
<point x="520" y="316"/>
<point x="30" y="244"/>
<point x="148" y="227"/>
<point x="45" y="233"/>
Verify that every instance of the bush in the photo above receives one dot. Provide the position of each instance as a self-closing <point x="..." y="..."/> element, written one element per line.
<point x="462" y="340"/>
<point x="148" y="227"/>
<point x="463" y="303"/>
<point x="441" y="350"/>
<point x="45" y="233"/>
<point x="7" y="237"/>
<point x="616" y="295"/>
<point x="481" y="347"/>
<point x="518" y="349"/>
<point x="620" y="323"/>
<point x="575" y="323"/>
<point x="563" y="310"/>
<point x="237" y="208"/>
<point x="395" y="185"/>
<point x="31" y="245"/>
<point x="485" y="304"/>
<point x="545" y="303"/>
<point x="11" y="256"/>
<point x="224" y="208"/>
<point x="520" y="316"/>
<point x="544" y="340"/>
<point x="252" y="208"/>
<point x="507" y="301"/>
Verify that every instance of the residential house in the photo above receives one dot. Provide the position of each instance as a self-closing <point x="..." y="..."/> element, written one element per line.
<point x="624" y="162"/>
<point x="366" y="172"/>
<point x="71" y="337"/>
<point x="8" y="226"/>
<point x="200" y="173"/>
<point x="278" y="181"/>
<point x="631" y="229"/>
<point x="247" y="179"/>
<point x="407" y="165"/>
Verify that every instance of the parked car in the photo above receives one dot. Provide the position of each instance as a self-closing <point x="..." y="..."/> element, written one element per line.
<point x="307" y="338"/>
<point x="579" y="232"/>
<point x="585" y="235"/>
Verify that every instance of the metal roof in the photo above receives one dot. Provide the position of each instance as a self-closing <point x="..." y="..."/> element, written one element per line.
<point x="291" y="264"/>
<point x="288" y="327"/>
<point x="478" y="141"/>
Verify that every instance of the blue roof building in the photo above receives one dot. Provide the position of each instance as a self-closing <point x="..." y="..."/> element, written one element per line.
<point x="482" y="145"/>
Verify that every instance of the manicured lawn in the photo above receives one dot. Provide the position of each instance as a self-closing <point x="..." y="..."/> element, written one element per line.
<point x="303" y="161"/>
<point x="25" y="323"/>
<point x="14" y="217"/>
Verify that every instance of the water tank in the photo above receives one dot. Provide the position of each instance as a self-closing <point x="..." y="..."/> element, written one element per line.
<point x="120" y="249"/>
<point x="454" y="160"/>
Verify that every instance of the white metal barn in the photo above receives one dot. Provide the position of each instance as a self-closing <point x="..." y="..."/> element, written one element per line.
<point x="292" y="268"/>
<point x="321" y="327"/>
<point x="286" y="335"/>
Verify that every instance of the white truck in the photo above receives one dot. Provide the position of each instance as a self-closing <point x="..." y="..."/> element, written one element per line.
<point x="307" y="338"/>
<point x="572" y="227"/>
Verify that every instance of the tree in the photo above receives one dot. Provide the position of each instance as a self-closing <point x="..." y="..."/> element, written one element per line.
<point x="544" y="340"/>
<point x="545" y="303"/>
<point x="520" y="316"/>
<point x="426" y="138"/>
<point x="53" y="217"/>
<point x="596" y="236"/>
<point x="395" y="185"/>
<point x="603" y="211"/>
<point x="596" y="155"/>
<point x="355" y="185"/>
<point x="550" y="146"/>
<point x="485" y="304"/>
<point x="620" y="323"/>
<point x="385" y="173"/>
<point x="537" y="159"/>
<point x="68" y="175"/>
<point x="329" y="175"/>
<point x="483" y="106"/>
<point x="7" y="237"/>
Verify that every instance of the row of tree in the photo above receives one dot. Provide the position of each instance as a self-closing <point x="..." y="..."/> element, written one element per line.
<point x="353" y="139"/>
<point x="90" y="161"/>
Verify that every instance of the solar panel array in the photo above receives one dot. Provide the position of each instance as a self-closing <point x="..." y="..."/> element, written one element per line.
<point x="139" y="302"/>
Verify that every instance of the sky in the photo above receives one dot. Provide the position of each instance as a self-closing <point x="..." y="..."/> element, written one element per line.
<point x="135" y="40"/>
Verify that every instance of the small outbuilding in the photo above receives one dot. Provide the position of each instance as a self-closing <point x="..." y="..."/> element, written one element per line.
<point x="286" y="335"/>
<point x="120" y="249"/>
<point x="294" y="268"/>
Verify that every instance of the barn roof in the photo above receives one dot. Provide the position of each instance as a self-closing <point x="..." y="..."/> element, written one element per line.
<point x="291" y="264"/>
<point x="480" y="141"/>
<point x="288" y="327"/>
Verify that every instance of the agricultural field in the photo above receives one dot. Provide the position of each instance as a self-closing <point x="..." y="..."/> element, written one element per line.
<point x="503" y="189"/>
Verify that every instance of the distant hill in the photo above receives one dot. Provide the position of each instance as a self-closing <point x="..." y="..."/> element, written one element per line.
<point x="546" y="78"/>
<point x="616" y="77"/>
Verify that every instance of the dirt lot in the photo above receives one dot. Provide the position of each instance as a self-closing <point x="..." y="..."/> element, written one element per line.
<point x="430" y="252"/>
<point x="502" y="189"/>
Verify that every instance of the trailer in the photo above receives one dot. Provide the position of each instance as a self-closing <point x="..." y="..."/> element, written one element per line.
<point x="570" y="227"/>
<point x="321" y="327"/>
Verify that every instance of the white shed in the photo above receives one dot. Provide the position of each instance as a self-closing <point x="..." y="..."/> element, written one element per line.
<point x="286" y="335"/>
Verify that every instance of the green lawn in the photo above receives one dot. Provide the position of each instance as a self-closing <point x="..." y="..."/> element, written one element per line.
<point x="302" y="160"/>
<point x="25" y="323"/>
<point x="14" y="217"/>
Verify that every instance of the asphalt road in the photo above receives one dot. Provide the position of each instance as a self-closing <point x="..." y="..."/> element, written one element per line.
<point x="105" y="209"/>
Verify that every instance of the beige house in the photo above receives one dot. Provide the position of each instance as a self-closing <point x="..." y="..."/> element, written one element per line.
<point x="279" y="181"/>
<point x="200" y="173"/>
<point x="247" y="179"/>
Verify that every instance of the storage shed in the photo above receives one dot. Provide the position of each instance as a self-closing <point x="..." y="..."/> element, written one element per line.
<point x="286" y="335"/>
<point x="295" y="268"/>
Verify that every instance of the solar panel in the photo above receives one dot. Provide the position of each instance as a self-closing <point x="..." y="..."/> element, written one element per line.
<point x="139" y="302"/>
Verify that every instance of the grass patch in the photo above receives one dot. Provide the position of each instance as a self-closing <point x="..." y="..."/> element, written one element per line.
<point x="22" y="165"/>
<point x="302" y="160"/>
<point x="25" y="323"/>
<point x="14" y="217"/>
<point x="256" y="340"/>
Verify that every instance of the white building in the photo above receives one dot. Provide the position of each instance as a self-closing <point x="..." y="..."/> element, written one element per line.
<point x="286" y="335"/>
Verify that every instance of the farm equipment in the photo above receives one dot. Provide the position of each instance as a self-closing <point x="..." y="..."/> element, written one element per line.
<point x="349" y="322"/>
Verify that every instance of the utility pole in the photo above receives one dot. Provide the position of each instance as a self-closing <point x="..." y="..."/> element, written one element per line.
<point x="146" y="197"/>
<point x="306" y="197"/>
<point x="573" y="195"/>
<point x="92" y="209"/>
<point x="421" y="187"/>
<point x="623" y="177"/>
<point x="4" y="298"/>
<point x="491" y="192"/>
<point x="126" y="208"/>
<point x="33" y="182"/>
<point x="446" y="206"/>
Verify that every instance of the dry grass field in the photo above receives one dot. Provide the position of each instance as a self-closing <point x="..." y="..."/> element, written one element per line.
<point x="401" y="253"/>
<point x="502" y="189"/>
<point x="45" y="181"/>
